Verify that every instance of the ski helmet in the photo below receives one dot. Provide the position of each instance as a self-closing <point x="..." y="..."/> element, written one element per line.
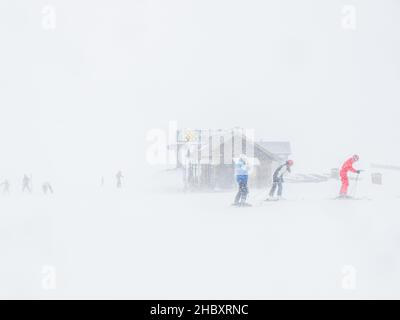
<point x="356" y="157"/>
<point x="289" y="162"/>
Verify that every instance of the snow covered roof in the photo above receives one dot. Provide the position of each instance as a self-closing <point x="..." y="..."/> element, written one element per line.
<point x="227" y="138"/>
<point x="276" y="147"/>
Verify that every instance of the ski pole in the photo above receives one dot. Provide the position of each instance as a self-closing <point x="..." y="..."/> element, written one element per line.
<point x="356" y="185"/>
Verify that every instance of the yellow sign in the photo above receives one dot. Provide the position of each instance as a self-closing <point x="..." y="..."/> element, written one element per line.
<point x="190" y="136"/>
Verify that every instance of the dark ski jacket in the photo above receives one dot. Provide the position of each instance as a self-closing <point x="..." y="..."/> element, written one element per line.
<point x="280" y="172"/>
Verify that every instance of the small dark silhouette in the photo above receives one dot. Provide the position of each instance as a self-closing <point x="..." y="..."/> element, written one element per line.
<point x="26" y="184"/>
<point x="6" y="186"/>
<point x="119" y="177"/>
<point x="47" y="188"/>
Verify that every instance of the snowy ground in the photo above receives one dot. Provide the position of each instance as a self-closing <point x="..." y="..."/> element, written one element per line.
<point x="137" y="244"/>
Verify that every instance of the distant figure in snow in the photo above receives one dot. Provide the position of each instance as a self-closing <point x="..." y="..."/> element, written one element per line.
<point x="6" y="186"/>
<point x="119" y="177"/>
<point x="102" y="181"/>
<point x="47" y="188"/>
<point x="26" y="184"/>
<point x="277" y="179"/>
<point x="242" y="176"/>
<point x="346" y="168"/>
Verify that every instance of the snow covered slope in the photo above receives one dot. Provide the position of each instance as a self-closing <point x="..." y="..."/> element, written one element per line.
<point x="135" y="244"/>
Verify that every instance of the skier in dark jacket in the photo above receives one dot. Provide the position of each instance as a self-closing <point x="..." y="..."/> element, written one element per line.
<point x="6" y="186"/>
<point x="47" y="188"/>
<point x="242" y="176"/>
<point x="277" y="179"/>
<point x="26" y="184"/>
<point x="119" y="177"/>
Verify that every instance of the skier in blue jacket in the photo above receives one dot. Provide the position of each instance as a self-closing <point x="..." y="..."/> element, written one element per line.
<point x="242" y="176"/>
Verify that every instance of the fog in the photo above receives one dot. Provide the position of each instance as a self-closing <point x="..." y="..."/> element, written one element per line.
<point x="83" y="82"/>
<point x="82" y="96"/>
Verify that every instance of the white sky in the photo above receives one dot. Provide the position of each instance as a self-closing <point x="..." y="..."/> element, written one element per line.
<point x="81" y="97"/>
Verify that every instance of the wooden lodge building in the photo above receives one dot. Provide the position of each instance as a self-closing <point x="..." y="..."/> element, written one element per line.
<point x="208" y="157"/>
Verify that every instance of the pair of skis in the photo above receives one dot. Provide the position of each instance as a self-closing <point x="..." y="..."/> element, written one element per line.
<point x="340" y="198"/>
<point x="241" y="205"/>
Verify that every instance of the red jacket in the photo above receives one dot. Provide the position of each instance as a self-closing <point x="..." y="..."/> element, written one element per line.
<point x="347" y="166"/>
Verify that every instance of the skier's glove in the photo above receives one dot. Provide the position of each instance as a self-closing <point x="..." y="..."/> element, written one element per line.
<point x="358" y="171"/>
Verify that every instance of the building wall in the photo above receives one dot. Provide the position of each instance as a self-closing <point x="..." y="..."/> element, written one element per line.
<point x="264" y="174"/>
<point x="214" y="168"/>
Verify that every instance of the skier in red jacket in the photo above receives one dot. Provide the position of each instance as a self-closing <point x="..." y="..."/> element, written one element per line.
<point x="347" y="166"/>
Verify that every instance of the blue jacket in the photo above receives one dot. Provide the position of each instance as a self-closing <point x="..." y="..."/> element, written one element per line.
<point x="242" y="179"/>
<point x="241" y="168"/>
